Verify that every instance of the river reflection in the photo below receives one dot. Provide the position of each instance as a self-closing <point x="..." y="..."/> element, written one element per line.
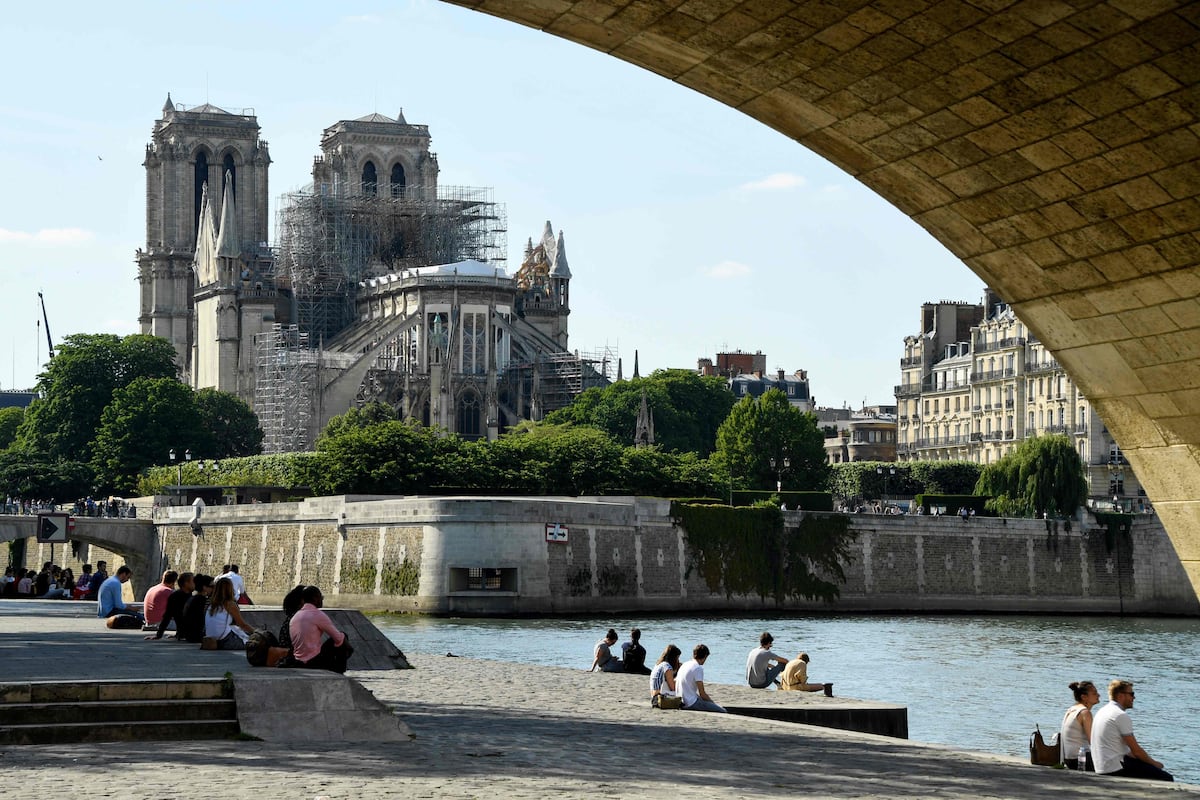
<point x="975" y="682"/>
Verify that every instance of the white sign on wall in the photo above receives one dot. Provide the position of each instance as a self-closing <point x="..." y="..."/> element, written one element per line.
<point x="556" y="532"/>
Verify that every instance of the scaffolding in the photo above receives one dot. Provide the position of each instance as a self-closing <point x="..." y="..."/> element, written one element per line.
<point x="328" y="242"/>
<point x="284" y="395"/>
<point x="564" y="376"/>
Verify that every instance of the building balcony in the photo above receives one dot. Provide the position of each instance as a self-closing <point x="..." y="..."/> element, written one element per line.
<point x="1055" y="429"/>
<point x="1049" y="366"/>
<point x="993" y="436"/>
<point x="991" y="375"/>
<point x="908" y="390"/>
<point x="911" y="361"/>
<point x="1002" y="344"/>
<point x="976" y="437"/>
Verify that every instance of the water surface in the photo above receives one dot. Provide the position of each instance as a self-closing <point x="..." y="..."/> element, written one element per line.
<point x="975" y="682"/>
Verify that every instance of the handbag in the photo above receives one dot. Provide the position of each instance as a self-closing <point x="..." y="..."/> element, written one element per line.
<point x="666" y="702"/>
<point x="1042" y="754"/>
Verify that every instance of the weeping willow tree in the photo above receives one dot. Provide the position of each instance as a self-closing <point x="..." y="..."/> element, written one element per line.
<point x="1043" y="475"/>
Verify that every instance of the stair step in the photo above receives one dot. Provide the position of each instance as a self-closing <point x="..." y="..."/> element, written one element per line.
<point x="94" y="691"/>
<point x="118" y="711"/>
<point x="117" y="732"/>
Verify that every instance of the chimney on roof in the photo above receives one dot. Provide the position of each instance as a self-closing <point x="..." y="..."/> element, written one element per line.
<point x="780" y="374"/>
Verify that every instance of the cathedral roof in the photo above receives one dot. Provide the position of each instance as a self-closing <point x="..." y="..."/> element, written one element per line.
<point x="168" y="106"/>
<point x="207" y="108"/>
<point x="376" y="117"/>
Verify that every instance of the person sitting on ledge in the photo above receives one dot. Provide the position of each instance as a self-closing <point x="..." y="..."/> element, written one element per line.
<point x="633" y="655"/>
<point x="690" y="682"/>
<point x="306" y="629"/>
<point x="795" y="678"/>
<point x="224" y="628"/>
<point x="155" y="602"/>
<point x="109" y="602"/>
<point x="604" y="659"/>
<point x="759" y="671"/>
<point x="172" y="616"/>
<point x="191" y="628"/>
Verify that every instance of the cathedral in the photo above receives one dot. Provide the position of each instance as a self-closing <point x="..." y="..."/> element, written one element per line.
<point x="382" y="286"/>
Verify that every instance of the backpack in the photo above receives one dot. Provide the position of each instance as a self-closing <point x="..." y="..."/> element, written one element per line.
<point x="258" y="647"/>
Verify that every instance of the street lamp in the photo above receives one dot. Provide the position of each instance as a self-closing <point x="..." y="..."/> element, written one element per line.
<point x="1116" y="482"/>
<point x="187" y="456"/>
<point x="889" y="472"/>
<point x="787" y="462"/>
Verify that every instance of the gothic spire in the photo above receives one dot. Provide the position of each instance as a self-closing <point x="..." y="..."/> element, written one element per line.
<point x="204" y="262"/>
<point x="620" y="375"/>
<point x="560" y="268"/>
<point x="168" y="106"/>
<point x="636" y="375"/>
<point x="227" y="238"/>
<point x="643" y="435"/>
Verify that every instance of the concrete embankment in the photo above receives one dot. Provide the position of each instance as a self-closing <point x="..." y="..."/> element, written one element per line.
<point x="495" y="729"/>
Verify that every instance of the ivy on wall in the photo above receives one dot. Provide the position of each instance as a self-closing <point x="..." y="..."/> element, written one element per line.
<point x="1115" y="523"/>
<point x="748" y="551"/>
<point x="402" y="580"/>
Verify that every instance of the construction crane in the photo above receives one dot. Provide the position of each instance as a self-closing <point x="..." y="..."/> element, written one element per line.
<point x="49" y="341"/>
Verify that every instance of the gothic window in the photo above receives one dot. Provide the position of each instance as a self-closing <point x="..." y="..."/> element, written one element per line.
<point x="227" y="166"/>
<point x="397" y="180"/>
<point x="370" y="181"/>
<point x="468" y="416"/>
<point x="474" y="355"/>
<point x="425" y="415"/>
<point x="201" y="178"/>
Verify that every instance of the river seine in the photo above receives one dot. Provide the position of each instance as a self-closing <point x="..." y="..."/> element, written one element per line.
<point x="975" y="682"/>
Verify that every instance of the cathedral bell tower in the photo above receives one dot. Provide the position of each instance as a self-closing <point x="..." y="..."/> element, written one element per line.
<point x="192" y="148"/>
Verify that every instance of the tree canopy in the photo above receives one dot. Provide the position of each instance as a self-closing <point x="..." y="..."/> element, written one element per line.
<point x="10" y="420"/>
<point x="687" y="409"/>
<point x="1043" y="474"/>
<point x="80" y="381"/>
<point x="143" y="423"/>
<point x="760" y="429"/>
<point x="231" y="425"/>
<point x="31" y="476"/>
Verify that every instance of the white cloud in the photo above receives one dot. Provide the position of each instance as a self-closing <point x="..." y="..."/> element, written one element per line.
<point x="48" y="236"/>
<point x="728" y="270"/>
<point x="776" y="182"/>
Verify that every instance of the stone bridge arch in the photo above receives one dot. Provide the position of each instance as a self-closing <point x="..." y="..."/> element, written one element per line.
<point x="134" y="540"/>
<point x="1052" y="146"/>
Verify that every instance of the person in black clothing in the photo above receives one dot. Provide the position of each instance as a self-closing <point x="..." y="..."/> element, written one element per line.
<point x="98" y="577"/>
<point x="634" y="655"/>
<point x="176" y="602"/>
<point x="191" y="627"/>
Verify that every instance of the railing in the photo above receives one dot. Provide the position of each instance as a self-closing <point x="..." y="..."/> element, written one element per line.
<point x="993" y="436"/>
<point x="1009" y="403"/>
<point x="1048" y="366"/>
<point x="908" y="390"/>
<point x="976" y="437"/>
<point x="911" y="361"/>
<point x="992" y="375"/>
<point x="1055" y="429"/>
<point x="1012" y="341"/>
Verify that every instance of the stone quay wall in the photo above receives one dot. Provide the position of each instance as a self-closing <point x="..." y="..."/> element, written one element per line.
<point x="547" y="555"/>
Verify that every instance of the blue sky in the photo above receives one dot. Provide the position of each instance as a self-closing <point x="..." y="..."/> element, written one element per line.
<point x="689" y="227"/>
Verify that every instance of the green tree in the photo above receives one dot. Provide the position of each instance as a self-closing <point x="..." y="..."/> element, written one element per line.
<point x="760" y="429"/>
<point x="145" y="420"/>
<point x="79" y="382"/>
<point x="10" y="420"/>
<point x="557" y="459"/>
<point x="232" y="425"/>
<point x="387" y="458"/>
<point x="1043" y="474"/>
<point x="370" y="414"/>
<point x="26" y="475"/>
<point x="687" y="409"/>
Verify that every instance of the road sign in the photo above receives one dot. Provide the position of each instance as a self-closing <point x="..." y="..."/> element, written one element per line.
<point x="52" y="528"/>
<point x="556" y="532"/>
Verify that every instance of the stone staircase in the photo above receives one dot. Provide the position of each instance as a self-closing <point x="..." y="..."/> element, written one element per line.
<point x="54" y="712"/>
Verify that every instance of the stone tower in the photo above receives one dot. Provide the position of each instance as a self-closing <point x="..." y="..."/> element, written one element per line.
<point x="376" y="156"/>
<point x="190" y="149"/>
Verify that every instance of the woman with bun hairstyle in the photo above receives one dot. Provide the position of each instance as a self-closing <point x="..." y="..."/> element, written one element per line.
<point x="1077" y="724"/>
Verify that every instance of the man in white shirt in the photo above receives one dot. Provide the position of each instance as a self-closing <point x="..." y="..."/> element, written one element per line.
<point x="759" y="670"/>
<point x="690" y="683"/>
<point x="239" y="583"/>
<point x="1115" y="751"/>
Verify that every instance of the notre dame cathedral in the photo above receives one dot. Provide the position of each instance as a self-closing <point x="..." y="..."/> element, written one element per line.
<point x="381" y="285"/>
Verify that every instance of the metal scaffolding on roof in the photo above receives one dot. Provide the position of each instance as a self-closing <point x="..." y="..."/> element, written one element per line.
<point x="328" y="242"/>
<point x="285" y="392"/>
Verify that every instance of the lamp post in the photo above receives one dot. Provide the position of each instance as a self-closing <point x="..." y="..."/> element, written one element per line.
<point x="889" y="472"/>
<point x="1116" y="482"/>
<point x="787" y="462"/>
<point x="187" y="456"/>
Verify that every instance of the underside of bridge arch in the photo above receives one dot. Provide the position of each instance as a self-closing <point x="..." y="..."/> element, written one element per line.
<point x="1052" y="145"/>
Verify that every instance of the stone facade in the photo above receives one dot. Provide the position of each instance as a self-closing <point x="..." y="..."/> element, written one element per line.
<point x="975" y="398"/>
<point x="489" y="556"/>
